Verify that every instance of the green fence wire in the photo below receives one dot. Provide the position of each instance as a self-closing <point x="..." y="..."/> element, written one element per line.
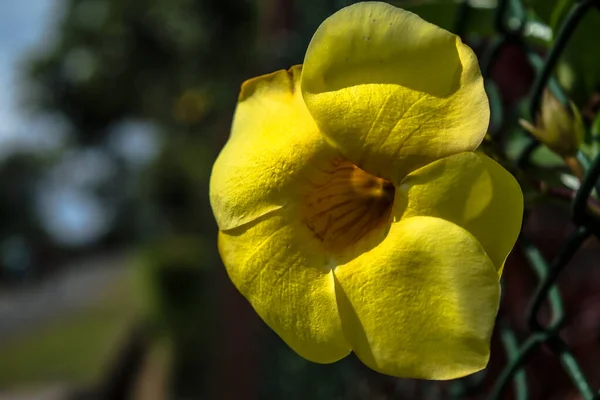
<point x="509" y="22"/>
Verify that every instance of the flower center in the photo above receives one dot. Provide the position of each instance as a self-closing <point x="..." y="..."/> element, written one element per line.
<point x="347" y="206"/>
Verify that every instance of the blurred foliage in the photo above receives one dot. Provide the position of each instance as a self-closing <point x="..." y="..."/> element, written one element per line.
<point x="445" y="14"/>
<point x="175" y="280"/>
<point x="117" y="59"/>
<point x="22" y="239"/>
<point x="579" y="69"/>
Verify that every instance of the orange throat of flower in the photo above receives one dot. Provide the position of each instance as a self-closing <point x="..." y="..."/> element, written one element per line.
<point x="347" y="208"/>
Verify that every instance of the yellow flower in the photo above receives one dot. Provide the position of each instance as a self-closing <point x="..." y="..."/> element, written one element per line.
<point x="354" y="214"/>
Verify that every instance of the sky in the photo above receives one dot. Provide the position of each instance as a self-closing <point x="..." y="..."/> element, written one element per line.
<point x="24" y="27"/>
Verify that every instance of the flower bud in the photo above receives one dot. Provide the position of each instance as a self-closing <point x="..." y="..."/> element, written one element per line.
<point x="559" y="127"/>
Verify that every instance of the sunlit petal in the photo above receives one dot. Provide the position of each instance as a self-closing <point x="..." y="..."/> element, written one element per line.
<point x="281" y="269"/>
<point x="422" y="304"/>
<point x="273" y="138"/>
<point x="392" y="91"/>
<point x="474" y="192"/>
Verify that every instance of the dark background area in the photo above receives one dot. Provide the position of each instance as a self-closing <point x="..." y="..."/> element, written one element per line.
<point x="110" y="283"/>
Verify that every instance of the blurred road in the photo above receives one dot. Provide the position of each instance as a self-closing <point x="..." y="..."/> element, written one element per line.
<point x="51" y="392"/>
<point x="75" y="287"/>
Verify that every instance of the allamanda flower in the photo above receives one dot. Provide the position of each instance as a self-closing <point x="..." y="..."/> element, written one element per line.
<point x="354" y="214"/>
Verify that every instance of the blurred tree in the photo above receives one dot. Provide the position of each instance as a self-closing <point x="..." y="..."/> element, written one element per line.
<point x="22" y="239"/>
<point x="176" y="64"/>
<point x="115" y="59"/>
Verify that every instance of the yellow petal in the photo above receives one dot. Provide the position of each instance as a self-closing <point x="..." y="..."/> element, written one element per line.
<point x="392" y="91"/>
<point x="273" y="138"/>
<point x="281" y="269"/>
<point x="474" y="192"/>
<point x="422" y="304"/>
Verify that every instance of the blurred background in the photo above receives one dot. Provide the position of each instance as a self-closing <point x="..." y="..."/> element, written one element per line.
<point x="112" y="113"/>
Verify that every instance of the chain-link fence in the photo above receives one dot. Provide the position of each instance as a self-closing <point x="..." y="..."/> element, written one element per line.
<point x="510" y="20"/>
